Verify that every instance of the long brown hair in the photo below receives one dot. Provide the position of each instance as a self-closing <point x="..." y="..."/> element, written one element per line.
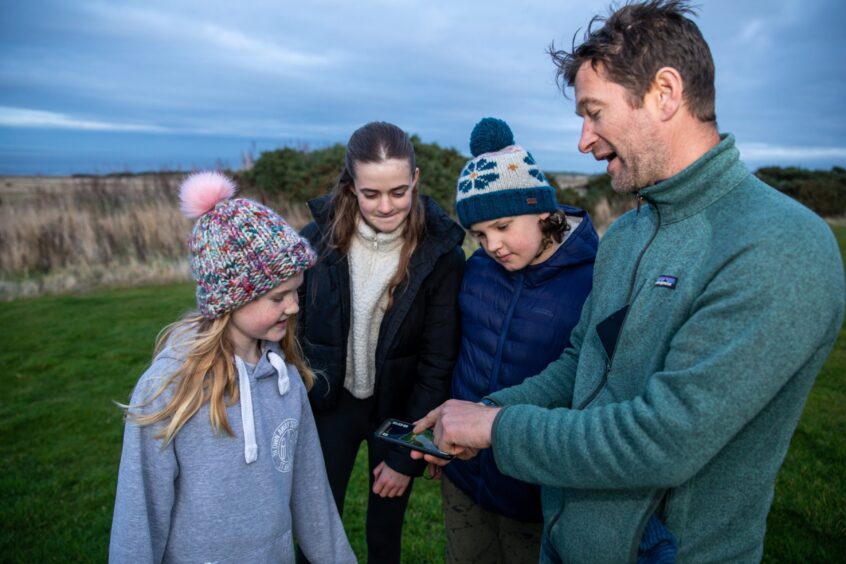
<point x="207" y="375"/>
<point x="375" y="142"/>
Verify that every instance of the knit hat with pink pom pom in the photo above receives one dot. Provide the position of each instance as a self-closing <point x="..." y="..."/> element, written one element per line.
<point x="239" y="248"/>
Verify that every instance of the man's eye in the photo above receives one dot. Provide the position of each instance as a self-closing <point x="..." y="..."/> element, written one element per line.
<point x="502" y="227"/>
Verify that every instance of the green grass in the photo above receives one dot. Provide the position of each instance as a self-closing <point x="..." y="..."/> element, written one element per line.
<point x="64" y="360"/>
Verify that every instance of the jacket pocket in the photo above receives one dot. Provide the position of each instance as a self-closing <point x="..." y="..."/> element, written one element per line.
<point x="602" y="525"/>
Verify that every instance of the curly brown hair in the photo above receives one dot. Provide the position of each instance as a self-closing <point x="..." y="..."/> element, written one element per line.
<point x="553" y="229"/>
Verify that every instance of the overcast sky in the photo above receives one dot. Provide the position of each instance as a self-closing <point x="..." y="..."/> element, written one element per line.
<point x="99" y="86"/>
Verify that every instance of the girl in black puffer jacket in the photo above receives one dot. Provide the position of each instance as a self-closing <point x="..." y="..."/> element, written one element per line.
<point x="379" y="319"/>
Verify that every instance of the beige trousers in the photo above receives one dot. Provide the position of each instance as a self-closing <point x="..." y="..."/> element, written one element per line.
<point x="474" y="535"/>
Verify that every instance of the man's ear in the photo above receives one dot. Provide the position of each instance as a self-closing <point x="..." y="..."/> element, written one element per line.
<point x="667" y="92"/>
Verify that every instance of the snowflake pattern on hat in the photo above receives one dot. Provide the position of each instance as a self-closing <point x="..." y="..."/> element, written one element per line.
<point x="472" y="177"/>
<point x="530" y="160"/>
<point x="502" y="179"/>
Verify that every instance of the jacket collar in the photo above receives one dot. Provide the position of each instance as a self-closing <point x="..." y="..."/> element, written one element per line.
<point x="702" y="183"/>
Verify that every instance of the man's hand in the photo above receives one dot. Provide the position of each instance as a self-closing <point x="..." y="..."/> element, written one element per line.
<point x="388" y="482"/>
<point x="460" y="428"/>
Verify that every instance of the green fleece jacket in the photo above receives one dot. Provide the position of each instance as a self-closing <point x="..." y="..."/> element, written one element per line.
<point x="736" y="296"/>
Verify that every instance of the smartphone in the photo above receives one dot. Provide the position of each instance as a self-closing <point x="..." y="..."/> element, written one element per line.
<point x="402" y="433"/>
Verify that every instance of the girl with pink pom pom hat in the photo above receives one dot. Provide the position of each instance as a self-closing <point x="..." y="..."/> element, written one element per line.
<point x="221" y="459"/>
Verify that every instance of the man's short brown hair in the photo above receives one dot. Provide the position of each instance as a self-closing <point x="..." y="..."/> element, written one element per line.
<point x="637" y="40"/>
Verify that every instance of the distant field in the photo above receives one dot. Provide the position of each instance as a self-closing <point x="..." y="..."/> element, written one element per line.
<point x="62" y="234"/>
<point x="64" y="360"/>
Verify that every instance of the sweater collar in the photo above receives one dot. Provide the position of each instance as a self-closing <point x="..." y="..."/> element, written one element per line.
<point x="377" y="240"/>
<point x="699" y="185"/>
<point x="442" y="232"/>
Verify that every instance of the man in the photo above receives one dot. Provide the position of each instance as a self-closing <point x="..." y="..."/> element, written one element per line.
<point x="714" y="305"/>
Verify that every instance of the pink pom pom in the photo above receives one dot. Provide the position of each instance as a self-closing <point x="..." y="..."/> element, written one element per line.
<point x="202" y="191"/>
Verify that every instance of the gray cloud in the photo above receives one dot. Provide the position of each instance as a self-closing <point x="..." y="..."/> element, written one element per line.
<point x="314" y="71"/>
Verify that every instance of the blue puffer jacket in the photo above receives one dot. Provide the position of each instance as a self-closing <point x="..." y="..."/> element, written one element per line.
<point x="513" y="324"/>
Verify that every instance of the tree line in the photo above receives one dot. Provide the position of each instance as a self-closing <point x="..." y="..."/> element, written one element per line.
<point x="301" y="174"/>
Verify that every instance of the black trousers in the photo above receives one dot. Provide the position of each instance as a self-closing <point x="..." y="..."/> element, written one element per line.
<point x="341" y="432"/>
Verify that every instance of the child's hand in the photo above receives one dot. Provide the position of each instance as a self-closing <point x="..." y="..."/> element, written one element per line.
<point x="388" y="482"/>
<point x="435" y="472"/>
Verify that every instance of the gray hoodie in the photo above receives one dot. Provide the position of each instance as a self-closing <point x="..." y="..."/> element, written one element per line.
<point x="199" y="500"/>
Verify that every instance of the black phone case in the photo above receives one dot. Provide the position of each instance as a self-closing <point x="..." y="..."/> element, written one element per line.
<point x="381" y="434"/>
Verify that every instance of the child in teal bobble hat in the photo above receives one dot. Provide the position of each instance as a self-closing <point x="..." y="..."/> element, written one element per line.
<point x="520" y="298"/>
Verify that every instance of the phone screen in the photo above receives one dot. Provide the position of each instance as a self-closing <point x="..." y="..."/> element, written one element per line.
<point x="402" y="432"/>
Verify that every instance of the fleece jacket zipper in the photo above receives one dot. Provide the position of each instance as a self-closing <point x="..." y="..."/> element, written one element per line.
<point x="629" y="299"/>
<point x="609" y="362"/>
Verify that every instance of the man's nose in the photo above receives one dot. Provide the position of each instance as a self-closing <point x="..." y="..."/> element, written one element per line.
<point x="587" y="138"/>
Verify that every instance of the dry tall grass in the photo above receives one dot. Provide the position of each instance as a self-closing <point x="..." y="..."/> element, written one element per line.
<point x="70" y="234"/>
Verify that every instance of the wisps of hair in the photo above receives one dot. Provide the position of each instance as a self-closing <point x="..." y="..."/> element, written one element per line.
<point x="636" y="40"/>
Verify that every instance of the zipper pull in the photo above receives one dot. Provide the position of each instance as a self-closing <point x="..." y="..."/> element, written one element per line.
<point x="639" y="199"/>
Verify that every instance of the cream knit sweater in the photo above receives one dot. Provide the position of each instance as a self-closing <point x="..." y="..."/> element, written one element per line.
<point x="373" y="260"/>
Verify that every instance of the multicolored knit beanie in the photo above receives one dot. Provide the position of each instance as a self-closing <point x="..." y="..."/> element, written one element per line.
<point x="239" y="249"/>
<point x="502" y="180"/>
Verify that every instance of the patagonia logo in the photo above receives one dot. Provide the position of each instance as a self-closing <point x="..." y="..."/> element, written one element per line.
<point x="531" y="201"/>
<point x="666" y="281"/>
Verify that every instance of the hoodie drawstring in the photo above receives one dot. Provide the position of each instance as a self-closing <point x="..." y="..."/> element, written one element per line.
<point x="247" y="420"/>
<point x="282" y="380"/>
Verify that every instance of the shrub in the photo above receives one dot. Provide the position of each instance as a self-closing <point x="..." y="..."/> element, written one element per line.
<point x="822" y="191"/>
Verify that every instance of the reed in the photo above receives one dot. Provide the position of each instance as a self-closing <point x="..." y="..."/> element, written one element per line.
<point x="69" y="234"/>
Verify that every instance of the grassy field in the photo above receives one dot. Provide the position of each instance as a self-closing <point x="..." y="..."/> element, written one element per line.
<point x="64" y="360"/>
<point x="69" y="234"/>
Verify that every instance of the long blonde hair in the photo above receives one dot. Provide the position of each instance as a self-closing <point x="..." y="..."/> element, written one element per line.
<point x="207" y="375"/>
<point x="375" y="142"/>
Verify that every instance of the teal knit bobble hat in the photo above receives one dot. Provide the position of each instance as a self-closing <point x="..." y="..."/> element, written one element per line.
<point x="239" y="249"/>
<point x="502" y="179"/>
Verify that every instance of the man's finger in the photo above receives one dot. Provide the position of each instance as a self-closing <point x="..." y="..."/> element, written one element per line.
<point x="427" y="421"/>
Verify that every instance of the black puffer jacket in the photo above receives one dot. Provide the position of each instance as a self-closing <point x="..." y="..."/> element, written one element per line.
<point x="419" y="336"/>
